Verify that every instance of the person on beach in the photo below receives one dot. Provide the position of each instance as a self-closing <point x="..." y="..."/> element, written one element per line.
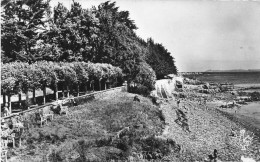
<point x="186" y="110"/>
<point x="200" y="100"/>
<point x="178" y="103"/>
<point x="234" y="103"/>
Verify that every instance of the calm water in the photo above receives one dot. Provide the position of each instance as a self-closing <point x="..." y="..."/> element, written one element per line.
<point x="231" y="77"/>
<point x="250" y="112"/>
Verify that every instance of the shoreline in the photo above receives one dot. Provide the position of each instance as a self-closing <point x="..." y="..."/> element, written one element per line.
<point x="209" y="129"/>
<point x="211" y="125"/>
<point x="242" y="121"/>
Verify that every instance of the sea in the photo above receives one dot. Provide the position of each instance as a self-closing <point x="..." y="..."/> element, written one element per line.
<point x="231" y="77"/>
<point x="249" y="80"/>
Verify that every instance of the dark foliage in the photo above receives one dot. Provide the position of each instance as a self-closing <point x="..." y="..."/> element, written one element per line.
<point x="255" y="96"/>
<point x="139" y="89"/>
<point x="160" y="59"/>
<point x="103" y="34"/>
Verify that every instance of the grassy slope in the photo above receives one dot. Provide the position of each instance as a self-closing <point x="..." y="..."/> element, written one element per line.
<point x="99" y="120"/>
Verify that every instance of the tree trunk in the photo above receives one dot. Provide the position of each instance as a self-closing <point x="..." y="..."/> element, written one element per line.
<point x="116" y="82"/>
<point x="63" y="90"/>
<point x="128" y="86"/>
<point x="27" y="98"/>
<point x="9" y="103"/>
<point x="56" y="92"/>
<point x="99" y="82"/>
<point x="108" y="83"/>
<point x="4" y="98"/>
<point x="105" y="84"/>
<point x="20" y="98"/>
<point x="92" y="85"/>
<point x="86" y="88"/>
<point x="34" y="99"/>
<point x="44" y="95"/>
<point x="68" y="91"/>
<point x="110" y="80"/>
<point x="77" y="89"/>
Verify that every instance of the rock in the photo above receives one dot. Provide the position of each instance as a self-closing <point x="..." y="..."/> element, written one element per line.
<point x="205" y="86"/>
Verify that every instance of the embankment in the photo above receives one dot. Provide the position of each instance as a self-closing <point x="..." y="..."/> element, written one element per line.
<point x="114" y="127"/>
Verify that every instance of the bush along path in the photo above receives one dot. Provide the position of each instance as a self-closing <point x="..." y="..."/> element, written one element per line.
<point x="209" y="130"/>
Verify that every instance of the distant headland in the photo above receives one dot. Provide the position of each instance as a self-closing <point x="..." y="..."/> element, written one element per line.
<point x="235" y="70"/>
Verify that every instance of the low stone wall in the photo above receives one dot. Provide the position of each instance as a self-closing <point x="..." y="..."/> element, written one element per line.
<point x="107" y="92"/>
<point x="81" y="99"/>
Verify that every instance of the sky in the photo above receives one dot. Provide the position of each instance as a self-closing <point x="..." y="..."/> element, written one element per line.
<point x="200" y="35"/>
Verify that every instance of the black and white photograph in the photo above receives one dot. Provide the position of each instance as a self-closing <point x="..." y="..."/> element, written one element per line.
<point x="130" y="81"/>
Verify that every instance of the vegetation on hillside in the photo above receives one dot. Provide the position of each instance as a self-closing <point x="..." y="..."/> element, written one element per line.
<point x="112" y="128"/>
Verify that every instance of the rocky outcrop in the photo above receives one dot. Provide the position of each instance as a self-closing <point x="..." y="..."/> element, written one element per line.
<point x="165" y="88"/>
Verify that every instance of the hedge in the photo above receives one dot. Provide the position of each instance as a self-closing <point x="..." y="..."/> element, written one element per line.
<point x="20" y="77"/>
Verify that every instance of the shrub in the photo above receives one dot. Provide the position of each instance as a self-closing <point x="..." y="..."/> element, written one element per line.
<point x="155" y="148"/>
<point x="140" y="89"/>
<point x="146" y="77"/>
<point x="255" y="96"/>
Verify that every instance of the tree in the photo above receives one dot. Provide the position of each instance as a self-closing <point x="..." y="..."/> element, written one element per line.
<point x="146" y="76"/>
<point x="160" y="59"/>
<point x="102" y="34"/>
<point x="22" y="22"/>
<point x="8" y="82"/>
<point x="71" y="35"/>
<point x="117" y="44"/>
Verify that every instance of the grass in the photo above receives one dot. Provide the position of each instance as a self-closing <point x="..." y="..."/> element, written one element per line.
<point x="90" y="132"/>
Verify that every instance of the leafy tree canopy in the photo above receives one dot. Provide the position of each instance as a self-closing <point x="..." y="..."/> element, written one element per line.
<point x="32" y="31"/>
